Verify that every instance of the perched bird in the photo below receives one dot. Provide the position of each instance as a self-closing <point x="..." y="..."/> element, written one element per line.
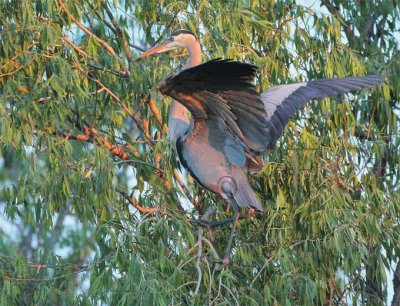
<point x="232" y="124"/>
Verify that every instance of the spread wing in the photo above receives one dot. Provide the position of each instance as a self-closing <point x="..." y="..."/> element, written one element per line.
<point x="282" y="102"/>
<point x="222" y="90"/>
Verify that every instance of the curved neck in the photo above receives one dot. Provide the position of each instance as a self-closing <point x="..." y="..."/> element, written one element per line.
<point x="194" y="55"/>
<point x="178" y="114"/>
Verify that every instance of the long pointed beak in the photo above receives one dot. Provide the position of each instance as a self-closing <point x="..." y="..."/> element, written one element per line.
<point x="163" y="47"/>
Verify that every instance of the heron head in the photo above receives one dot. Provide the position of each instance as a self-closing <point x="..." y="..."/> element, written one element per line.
<point x="179" y="39"/>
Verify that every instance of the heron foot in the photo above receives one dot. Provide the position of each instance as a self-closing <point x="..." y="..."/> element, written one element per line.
<point x="221" y="264"/>
<point x="226" y="260"/>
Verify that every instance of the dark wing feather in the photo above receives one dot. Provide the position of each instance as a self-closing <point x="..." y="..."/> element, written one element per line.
<point x="282" y="102"/>
<point x="223" y="90"/>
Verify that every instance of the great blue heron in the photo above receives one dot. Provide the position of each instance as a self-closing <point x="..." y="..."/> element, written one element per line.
<point x="232" y="124"/>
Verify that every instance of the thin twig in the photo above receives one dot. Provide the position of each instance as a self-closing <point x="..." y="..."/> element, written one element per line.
<point x="115" y="150"/>
<point x="91" y="135"/>
<point x="101" y="42"/>
<point x="76" y="48"/>
<point x="210" y="245"/>
<point x="120" y="33"/>
<point x="206" y="217"/>
<point x="335" y="12"/>
<point x="185" y="190"/>
<point x="102" y="20"/>
<point x="198" y="262"/>
<point x="15" y="70"/>
<point x="135" y="161"/>
<point x="68" y="135"/>
<point x="157" y="115"/>
<point x="141" y="49"/>
<point x="122" y="74"/>
<point x="133" y="201"/>
<point x="167" y="27"/>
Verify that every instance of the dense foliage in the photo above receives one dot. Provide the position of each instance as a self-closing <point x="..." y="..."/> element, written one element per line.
<point x="96" y="209"/>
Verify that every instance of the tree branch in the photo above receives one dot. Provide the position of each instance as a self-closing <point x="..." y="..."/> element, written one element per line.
<point x="76" y="48"/>
<point x="115" y="150"/>
<point x="157" y="115"/>
<point x="15" y="70"/>
<point x="91" y="135"/>
<point x="132" y="200"/>
<point x="185" y="190"/>
<point x="120" y="33"/>
<point x="348" y="29"/>
<point x="86" y="30"/>
<point x="122" y="73"/>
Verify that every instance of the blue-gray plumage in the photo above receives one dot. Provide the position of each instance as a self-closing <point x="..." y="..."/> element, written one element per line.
<point x="232" y="124"/>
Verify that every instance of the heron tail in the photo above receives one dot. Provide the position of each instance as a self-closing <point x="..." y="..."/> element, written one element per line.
<point x="238" y="192"/>
<point x="246" y="198"/>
